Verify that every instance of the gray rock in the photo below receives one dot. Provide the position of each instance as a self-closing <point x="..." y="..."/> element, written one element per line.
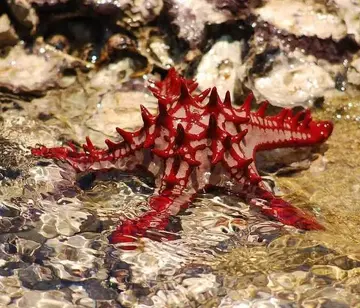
<point x="38" y="277"/>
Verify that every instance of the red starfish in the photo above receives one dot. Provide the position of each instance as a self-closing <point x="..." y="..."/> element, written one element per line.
<point x="192" y="145"/>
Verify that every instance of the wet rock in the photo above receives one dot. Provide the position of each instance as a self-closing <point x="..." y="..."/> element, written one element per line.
<point x="38" y="277"/>
<point x="139" y="13"/>
<point x="345" y="263"/>
<point x="135" y="13"/>
<point x="120" y="107"/>
<point x="353" y="74"/>
<point x="288" y="281"/>
<point x="119" y="271"/>
<point x="155" y="45"/>
<point x="121" y="277"/>
<point x="48" y="2"/>
<point x="24" y="13"/>
<point x="92" y="224"/>
<point x="66" y="221"/>
<point x="26" y="72"/>
<point x="9" y="173"/>
<point x="219" y="66"/>
<point x="194" y="270"/>
<point x="190" y="18"/>
<point x="8" y="246"/>
<point x="111" y="76"/>
<point x="284" y="161"/>
<point x="349" y="11"/>
<point x="74" y="260"/>
<point x="9" y="268"/>
<point x="300" y="18"/>
<point x="331" y="297"/>
<point x="7" y="210"/>
<point x="299" y="80"/>
<point x="21" y="132"/>
<point x="26" y="249"/>
<point x="98" y="291"/>
<point x="327" y="49"/>
<point x="40" y="299"/>
<point x="193" y="290"/>
<point x="8" y="36"/>
<point x="241" y="223"/>
<point x="12" y="160"/>
<point x="5" y="299"/>
<point x="17" y="220"/>
<point x="263" y="62"/>
<point x="328" y="271"/>
<point x="14" y="224"/>
<point x="10" y="288"/>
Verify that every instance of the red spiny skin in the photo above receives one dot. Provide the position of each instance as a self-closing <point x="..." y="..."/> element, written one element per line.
<point x="198" y="141"/>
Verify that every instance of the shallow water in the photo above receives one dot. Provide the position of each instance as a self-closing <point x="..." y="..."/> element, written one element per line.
<point x="314" y="269"/>
<point x="54" y="226"/>
<point x="55" y="249"/>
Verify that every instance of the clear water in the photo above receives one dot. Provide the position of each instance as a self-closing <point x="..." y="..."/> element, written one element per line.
<point x="54" y="249"/>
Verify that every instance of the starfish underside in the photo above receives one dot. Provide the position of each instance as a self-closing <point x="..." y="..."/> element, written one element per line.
<point x="196" y="142"/>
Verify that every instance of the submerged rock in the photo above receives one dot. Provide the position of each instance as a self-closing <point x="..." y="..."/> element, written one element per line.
<point x="75" y="260"/>
<point x="38" y="277"/>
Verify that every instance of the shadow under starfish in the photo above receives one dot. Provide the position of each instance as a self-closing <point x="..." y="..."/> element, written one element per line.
<point x="191" y="145"/>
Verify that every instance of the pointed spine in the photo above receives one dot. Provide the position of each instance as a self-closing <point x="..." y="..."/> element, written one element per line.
<point x="246" y="162"/>
<point x="214" y="98"/>
<point x="192" y="87"/>
<point x="111" y="145"/>
<point x="184" y="92"/>
<point x="72" y="146"/>
<point x="212" y="127"/>
<point x="238" y="137"/>
<point x="295" y="119"/>
<point x="180" y="135"/>
<point x="200" y="98"/>
<point x="227" y="99"/>
<point x="262" y="109"/>
<point x="217" y="156"/>
<point x="147" y="117"/>
<point x="307" y="119"/>
<point x="246" y="106"/>
<point x="281" y="116"/>
<point x="88" y="147"/>
<point x="127" y="136"/>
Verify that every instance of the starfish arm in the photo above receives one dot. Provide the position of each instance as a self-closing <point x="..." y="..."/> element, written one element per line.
<point x="250" y="188"/>
<point x="285" y="130"/>
<point x="162" y="207"/>
<point x="92" y="159"/>
<point x="125" y="155"/>
<point x="281" y="210"/>
<point x="169" y="198"/>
